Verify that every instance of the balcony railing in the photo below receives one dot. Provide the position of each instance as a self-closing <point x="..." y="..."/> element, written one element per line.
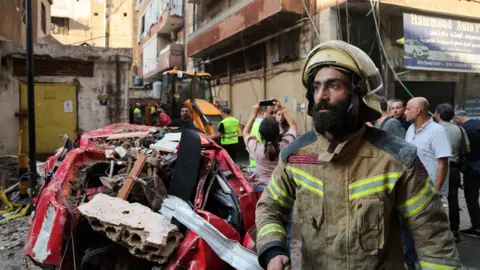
<point x="222" y="16"/>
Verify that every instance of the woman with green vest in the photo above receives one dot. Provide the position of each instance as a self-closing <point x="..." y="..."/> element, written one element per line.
<point x="228" y="132"/>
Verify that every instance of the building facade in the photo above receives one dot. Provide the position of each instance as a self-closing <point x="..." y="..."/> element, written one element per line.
<point x="255" y="48"/>
<point x="100" y="23"/>
<point x="77" y="89"/>
<point x="13" y="20"/>
<point x="160" y="39"/>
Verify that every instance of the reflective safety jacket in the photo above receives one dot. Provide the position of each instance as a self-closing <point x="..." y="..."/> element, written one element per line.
<point x="349" y="204"/>
<point x="255" y="132"/>
<point x="230" y="130"/>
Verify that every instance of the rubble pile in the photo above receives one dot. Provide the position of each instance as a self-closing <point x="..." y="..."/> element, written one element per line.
<point x="147" y="234"/>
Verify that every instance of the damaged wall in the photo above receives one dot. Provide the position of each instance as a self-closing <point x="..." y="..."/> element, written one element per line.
<point x="111" y="71"/>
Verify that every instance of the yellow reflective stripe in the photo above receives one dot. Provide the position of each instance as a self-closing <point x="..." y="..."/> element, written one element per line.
<point x="306" y="175"/>
<point x="374" y="179"/>
<point x="271" y="228"/>
<point x="277" y="198"/>
<point x="304" y="179"/>
<point x="432" y="266"/>
<point x="371" y="191"/>
<point x="283" y="193"/>
<point x="373" y="185"/>
<point x="414" y="205"/>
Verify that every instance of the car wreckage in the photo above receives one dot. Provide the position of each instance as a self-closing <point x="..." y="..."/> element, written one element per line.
<point x="138" y="197"/>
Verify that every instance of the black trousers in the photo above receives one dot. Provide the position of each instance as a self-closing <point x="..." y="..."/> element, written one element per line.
<point x="453" y="186"/>
<point x="471" y="181"/>
<point x="231" y="150"/>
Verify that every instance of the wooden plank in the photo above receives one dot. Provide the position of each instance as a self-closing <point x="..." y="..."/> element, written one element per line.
<point x="134" y="173"/>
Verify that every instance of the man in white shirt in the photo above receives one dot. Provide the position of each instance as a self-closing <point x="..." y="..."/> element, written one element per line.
<point x="431" y="140"/>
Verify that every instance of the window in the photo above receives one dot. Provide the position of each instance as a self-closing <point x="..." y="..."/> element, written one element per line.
<point x="60" y="26"/>
<point x="285" y="47"/>
<point x="44" y="19"/>
<point x="142" y="25"/>
<point x="95" y="14"/>
<point x="125" y="14"/>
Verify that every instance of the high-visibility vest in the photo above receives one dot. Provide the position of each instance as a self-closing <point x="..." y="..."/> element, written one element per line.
<point x="137" y="113"/>
<point x="230" y="130"/>
<point x="255" y="132"/>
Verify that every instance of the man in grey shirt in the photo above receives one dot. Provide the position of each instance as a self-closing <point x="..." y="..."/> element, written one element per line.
<point x="460" y="145"/>
<point x="389" y="124"/>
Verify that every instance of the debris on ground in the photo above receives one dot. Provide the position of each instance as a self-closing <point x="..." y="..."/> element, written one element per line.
<point x="147" y="234"/>
<point x="12" y="240"/>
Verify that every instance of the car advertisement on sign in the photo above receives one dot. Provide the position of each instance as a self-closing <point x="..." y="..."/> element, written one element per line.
<point x="441" y="44"/>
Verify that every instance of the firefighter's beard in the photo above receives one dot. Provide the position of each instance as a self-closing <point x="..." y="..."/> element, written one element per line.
<point x="338" y="121"/>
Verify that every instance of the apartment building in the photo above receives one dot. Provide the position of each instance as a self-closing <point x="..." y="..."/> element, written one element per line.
<point x="160" y="38"/>
<point x="13" y="20"/>
<point x="100" y="23"/>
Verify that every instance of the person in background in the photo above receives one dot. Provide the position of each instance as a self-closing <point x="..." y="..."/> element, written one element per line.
<point x="228" y="133"/>
<point x="432" y="142"/>
<point x="137" y="114"/>
<point x="389" y="107"/>
<point x="398" y="112"/>
<point x="471" y="174"/>
<point x="163" y="118"/>
<point x="460" y="144"/>
<point x="389" y="124"/>
<point x="266" y="152"/>
<point x="264" y="113"/>
<point x="279" y="116"/>
<point x="185" y="121"/>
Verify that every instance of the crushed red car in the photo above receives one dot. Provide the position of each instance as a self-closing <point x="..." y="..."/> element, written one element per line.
<point x="99" y="206"/>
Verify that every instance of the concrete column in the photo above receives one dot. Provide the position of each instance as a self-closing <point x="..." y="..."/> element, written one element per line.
<point x="327" y="25"/>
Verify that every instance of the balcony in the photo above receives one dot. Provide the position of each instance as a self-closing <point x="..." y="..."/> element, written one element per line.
<point x="154" y="62"/>
<point x="159" y="17"/>
<point x="254" y="17"/>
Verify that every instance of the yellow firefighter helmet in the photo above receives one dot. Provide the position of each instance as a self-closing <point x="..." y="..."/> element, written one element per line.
<point x="343" y="56"/>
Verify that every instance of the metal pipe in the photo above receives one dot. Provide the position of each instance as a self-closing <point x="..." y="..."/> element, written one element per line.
<point x="32" y="147"/>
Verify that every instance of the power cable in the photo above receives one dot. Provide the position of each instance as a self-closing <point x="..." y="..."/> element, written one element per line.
<point x="311" y="20"/>
<point x="346" y="19"/>
<point x="339" y="22"/>
<point x="382" y="48"/>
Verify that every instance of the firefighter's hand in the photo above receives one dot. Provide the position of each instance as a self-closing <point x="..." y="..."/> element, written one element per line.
<point x="280" y="262"/>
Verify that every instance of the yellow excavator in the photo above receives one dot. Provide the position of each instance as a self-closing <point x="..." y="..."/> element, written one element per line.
<point x="193" y="90"/>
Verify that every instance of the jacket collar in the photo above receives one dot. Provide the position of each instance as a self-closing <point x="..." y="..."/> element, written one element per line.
<point x="352" y="141"/>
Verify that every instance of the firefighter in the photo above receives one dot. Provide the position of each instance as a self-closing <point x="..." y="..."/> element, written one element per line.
<point x="350" y="182"/>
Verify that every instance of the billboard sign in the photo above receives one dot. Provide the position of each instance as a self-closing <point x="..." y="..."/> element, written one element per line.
<point x="441" y="44"/>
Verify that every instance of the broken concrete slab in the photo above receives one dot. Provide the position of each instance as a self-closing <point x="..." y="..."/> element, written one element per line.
<point x="147" y="234"/>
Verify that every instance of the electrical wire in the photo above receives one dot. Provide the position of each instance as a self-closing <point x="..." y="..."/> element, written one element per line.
<point x="339" y="22"/>
<point x="346" y="19"/>
<point x="311" y="19"/>
<point x="382" y="48"/>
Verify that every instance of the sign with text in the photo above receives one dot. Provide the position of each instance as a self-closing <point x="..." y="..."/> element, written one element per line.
<point x="441" y="44"/>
